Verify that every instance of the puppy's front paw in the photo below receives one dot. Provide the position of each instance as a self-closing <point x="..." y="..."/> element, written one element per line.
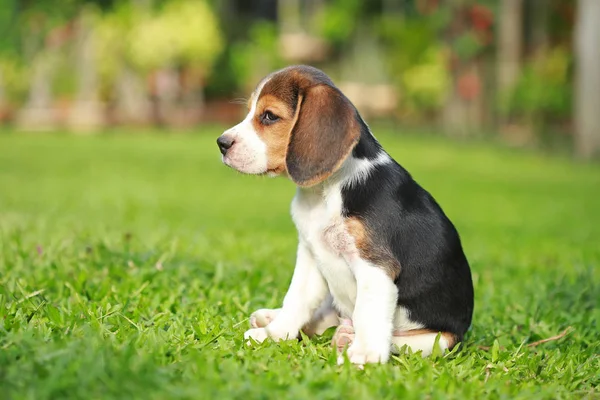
<point x="263" y="317"/>
<point x="257" y="334"/>
<point x="361" y="355"/>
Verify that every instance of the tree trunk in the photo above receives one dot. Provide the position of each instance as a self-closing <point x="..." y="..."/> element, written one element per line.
<point x="509" y="42"/>
<point x="38" y="114"/>
<point x="463" y="113"/>
<point x="3" y="107"/>
<point x="132" y="104"/>
<point x="167" y="91"/>
<point x="87" y="113"/>
<point x="539" y="12"/>
<point x="363" y="75"/>
<point x="392" y="7"/>
<point x="587" y="78"/>
<point x="6" y="111"/>
<point x="289" y="16"/>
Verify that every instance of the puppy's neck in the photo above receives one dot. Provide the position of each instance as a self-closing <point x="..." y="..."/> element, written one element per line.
<point x="356" y="168"/>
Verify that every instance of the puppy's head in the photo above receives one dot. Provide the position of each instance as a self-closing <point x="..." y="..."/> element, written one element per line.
<point x="298" y="124"/>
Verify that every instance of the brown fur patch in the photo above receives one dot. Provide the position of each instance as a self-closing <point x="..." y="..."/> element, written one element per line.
<point x="339" y="239"/>
<point x="370" y="250"/>
<point x="277" y="135"/>
<point x="324" y="135"/>
<point x="413" y="332"/>
<point x="451" y="339"/>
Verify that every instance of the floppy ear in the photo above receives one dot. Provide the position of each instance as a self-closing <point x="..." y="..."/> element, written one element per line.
<point x="325" y="132"/>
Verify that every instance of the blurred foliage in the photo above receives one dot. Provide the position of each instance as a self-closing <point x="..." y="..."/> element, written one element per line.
<point x="425" y="84"/>
<point x="112" y="40"/>
<point x="467" y="46"/>
<point x="336" y="20"/>
<point x="406" y="39"/>
<point x="144" y="36"/>
<point x="256" y="56"/>
<point x="420" y="48"/>
<point x="543" y="90"/>
<point x="183" y="32"/>
<point x="21" y="20"/>
<point x="422" y="41"/>
<point x="413" y="49"/>
<point x="13" y="78"/>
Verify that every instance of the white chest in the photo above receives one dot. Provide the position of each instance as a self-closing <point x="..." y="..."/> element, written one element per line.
<point x="318" y="218"/>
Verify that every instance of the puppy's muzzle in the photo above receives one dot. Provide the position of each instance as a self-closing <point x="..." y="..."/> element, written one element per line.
<point x="225" y="142"/>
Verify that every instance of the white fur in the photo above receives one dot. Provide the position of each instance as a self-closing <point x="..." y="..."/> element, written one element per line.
<point x="263" y="317"/>
<point x="355" y="171"/>
<point x="317" y="214"/>
<point x="329" y="262"/>
<point x="373" y="315"/>
<point x="324" y="318"/>
<point x="248" y="153"/>
<point x="305" y="295"/>
<point x="423" y="342"/>
<point x="402" y="321"/>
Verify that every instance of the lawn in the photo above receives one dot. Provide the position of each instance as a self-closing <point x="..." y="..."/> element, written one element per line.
<point x="129" y="265"/>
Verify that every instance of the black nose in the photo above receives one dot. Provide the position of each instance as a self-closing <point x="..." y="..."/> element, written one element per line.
<point x="225" y="143"/>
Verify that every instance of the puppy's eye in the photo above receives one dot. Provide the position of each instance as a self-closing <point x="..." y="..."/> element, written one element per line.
<point x="268" y="117"/>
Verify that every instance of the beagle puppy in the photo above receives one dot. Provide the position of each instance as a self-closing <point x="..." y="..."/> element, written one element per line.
<point x="377" y="256"/>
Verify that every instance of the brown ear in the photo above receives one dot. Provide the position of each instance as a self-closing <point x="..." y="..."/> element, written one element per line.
<point x="325" y="132"/>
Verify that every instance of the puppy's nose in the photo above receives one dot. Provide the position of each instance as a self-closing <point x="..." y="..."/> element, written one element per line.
<point x="225" y="142"/>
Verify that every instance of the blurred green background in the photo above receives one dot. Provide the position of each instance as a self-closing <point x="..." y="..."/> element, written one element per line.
<point x="129" y="265"/>
<point x="510" y="69"/>
<point x="131" y="258"/>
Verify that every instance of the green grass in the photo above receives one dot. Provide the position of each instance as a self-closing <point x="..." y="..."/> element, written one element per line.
<point x="130" y="264"/>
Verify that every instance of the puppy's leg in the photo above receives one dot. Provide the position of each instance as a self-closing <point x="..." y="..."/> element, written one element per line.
<point x="422" y="340"/>
<point x="306" y="293"/>
<point x="373" y="315"/>
<point x="324" y="318"/>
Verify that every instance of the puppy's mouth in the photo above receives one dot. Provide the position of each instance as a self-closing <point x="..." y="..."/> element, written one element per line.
<point x="232" y="164"/>
<point x="225" y="160"/>
<point x="243" y="166"/>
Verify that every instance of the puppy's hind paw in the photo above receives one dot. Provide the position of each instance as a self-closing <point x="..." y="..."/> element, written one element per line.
<point x="259" y="335"/>
<point x="360" y="355"/>
<point x="343" y="337"/>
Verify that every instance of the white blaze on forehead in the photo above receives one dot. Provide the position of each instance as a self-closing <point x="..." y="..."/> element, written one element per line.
<point x="257" y="92"/>
<point x="255" y="96"/>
